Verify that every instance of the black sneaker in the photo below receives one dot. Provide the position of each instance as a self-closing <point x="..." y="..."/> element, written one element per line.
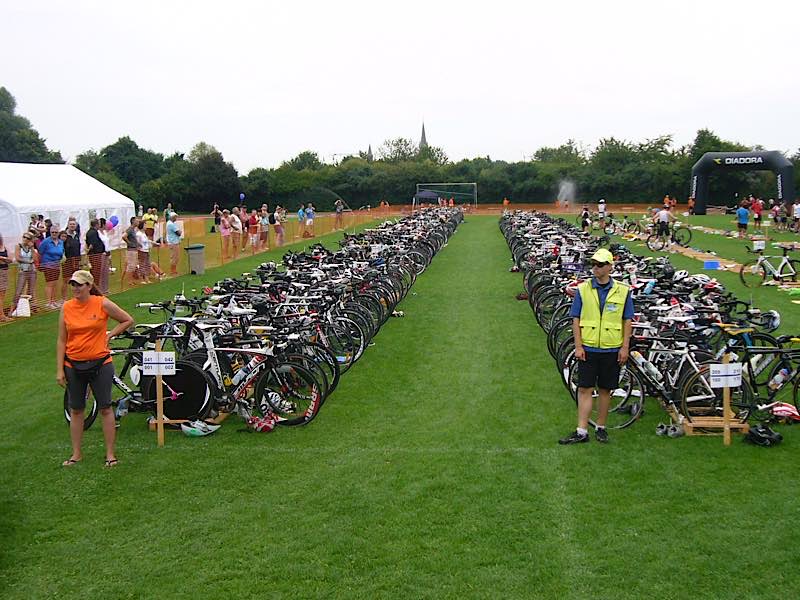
<point x="601" y="435"/>
<point x="574" y="438"/>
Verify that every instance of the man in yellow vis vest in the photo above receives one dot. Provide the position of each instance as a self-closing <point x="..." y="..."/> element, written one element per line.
<point x="601" y="325"/>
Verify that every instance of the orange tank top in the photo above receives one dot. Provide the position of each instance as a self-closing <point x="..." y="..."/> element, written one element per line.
<point x="86" y="329"/>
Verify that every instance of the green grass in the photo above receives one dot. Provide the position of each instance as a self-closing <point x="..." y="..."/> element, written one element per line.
<point x="432" y="472"/>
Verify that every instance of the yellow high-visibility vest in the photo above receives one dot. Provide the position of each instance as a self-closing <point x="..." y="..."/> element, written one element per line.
<point x="602" y="330"/>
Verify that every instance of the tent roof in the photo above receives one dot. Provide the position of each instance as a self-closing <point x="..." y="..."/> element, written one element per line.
<point x="426" y="195"/>
<point x="50" y="187"/>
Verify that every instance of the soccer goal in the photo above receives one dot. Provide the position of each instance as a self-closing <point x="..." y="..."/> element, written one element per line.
<point x="461" y="192"/>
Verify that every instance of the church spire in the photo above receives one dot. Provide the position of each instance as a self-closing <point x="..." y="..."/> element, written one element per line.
<point x="369" y="153"/>
<point x="423" y="143"/>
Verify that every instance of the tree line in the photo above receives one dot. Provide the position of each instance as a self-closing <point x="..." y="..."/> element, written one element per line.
<point x="617" y="170"/>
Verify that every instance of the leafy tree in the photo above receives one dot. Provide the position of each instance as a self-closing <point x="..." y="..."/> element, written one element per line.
<point x="131" y="163"/>
<point x="434" y="154"/>
<point x="397" y="150"/>
<point x="19" y="142"/>
<point x="305" y="160"/>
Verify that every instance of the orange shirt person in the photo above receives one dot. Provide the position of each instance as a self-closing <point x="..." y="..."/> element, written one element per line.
<point x="83" y="359"/>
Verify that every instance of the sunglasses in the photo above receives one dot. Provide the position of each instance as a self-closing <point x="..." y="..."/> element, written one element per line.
<point x="595" y="263"/>
<point x="76" y="284"/>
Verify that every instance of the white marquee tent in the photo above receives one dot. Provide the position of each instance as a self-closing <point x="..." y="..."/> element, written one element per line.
<point x="57" y="192"/>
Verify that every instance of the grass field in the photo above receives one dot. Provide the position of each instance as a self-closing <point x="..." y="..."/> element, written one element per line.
<point x="433" y="472"/>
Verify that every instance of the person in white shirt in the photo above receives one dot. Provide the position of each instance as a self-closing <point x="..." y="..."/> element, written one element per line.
<point x="662" y="219"/>
<point x="145" y="245"/>
<point x="601" y="213"/>
<point x="796" y="212"/>
<point x="236" y="230"/>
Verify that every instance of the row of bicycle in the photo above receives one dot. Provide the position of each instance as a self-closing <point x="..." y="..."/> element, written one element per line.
<point x="683" y="324"/>
<point x="271" y="345"/>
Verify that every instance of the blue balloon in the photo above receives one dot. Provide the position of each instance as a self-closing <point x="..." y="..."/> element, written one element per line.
<point x="241" y="196"/>
<point x="114" y="220"/>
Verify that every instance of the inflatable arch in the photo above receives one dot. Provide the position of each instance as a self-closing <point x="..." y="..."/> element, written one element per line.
<point x="741" y="161"/>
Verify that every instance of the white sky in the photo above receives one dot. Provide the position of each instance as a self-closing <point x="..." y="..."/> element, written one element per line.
<point x="263" y="81"/>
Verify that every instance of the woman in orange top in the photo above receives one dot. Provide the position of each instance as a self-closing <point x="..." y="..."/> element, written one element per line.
<point x="83" y="358"/>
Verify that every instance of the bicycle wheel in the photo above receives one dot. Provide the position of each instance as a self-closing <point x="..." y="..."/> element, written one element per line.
<point x="752" y="274"/>
<point x="187" y="393"/>
<point x="626" y="402"/>
<point x="682" y="236"/>
<point x="289" y="392"/>
<point x="90" y="413"/>
<point x="699" y="399"/>
<point x="789" y="271"/>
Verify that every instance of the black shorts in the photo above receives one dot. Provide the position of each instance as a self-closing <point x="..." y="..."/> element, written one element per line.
<point x="101" y="381"/>
<point x="600" y="369"/>
<point x="757" y="218"/>
<point x="742" y="226"/>
<point x="663" y="228"/>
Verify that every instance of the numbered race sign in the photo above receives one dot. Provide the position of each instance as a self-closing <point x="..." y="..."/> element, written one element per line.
<point x="759" y="244"/>
<point x="729" y="375"/>
<point x="158" y="363"/>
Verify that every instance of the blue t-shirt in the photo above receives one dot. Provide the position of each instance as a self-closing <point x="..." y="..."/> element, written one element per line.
<point x="742" y="215"/>
<point x="51" y="252"/>
<point x="173" y="237"/>
<point x="309" y="213"/>
<point x="602" y="294"/>
<point x="301" y="215"/>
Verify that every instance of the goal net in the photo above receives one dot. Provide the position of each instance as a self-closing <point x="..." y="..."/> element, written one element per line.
<point x="462" y="193"/>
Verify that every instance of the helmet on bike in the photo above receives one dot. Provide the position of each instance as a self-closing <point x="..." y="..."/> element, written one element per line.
<point x="680" y="275"/>
<point x="198" y="428"/>
<point x="761" y="435"/>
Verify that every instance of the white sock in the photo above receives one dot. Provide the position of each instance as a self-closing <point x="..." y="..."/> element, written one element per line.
<point x="582" y="432"/>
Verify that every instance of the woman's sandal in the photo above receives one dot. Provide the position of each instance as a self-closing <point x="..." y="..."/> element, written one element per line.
<point x="111" y="463"/>
<point x="70" y="462"/>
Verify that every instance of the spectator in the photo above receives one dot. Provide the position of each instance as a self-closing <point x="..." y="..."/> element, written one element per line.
<point x="310" y="220"/>
<point x="72" y="255"/>
<point x="236" y="230"/>
<point x="140" y="212"/>
<point x="26" y="257"/>
<point x="277" y="220"/>
<point x="586" y="220"/>
<point x="301" y="220"/>
<point x="690" y="204"/>
<point x="796" y="213"/>
<point x="145" y="265"/>
<point x="168" y="211"/>
<point x="4" y="262"/>
<point x="338" y="208"/>
<point x="150" y="219"/>
<point x="252" y="230"/>
<point x="217" y="214"/>
<point x="131" y="252"/>
<point x="225" y="232"/>
<point x="106" y="269"/>
<point x="174" y="235"/>
<point x="264" y="222"/>
<point x="83" y="359"/>
<point x="96" y="250"/>
<point x="51" y="252"/>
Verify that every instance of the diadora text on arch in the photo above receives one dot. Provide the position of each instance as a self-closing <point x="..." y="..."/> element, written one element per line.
<point x="740" y="160"/>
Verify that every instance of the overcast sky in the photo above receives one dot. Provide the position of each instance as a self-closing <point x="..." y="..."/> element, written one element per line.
<point x="263" y="81"/>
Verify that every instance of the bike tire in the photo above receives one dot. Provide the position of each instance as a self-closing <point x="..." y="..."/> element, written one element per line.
<point x="188" y="394"/>
<point x="289" y="392"/>
<point x="790" y="271"/>
<point x="752" y="274"/>
<point x="682" y="236"/>
<point x="698" y="399"/>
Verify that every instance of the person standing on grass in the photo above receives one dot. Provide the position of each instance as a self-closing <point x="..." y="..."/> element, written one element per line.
<point x="758" y="208"/>
<point x="301" y="220"/>
<point x="131" y="252"/>
<point x="51" y="252"/>
<point x="742" y="218"/>
<point x="601" y="326"/>
<point x="72" y="255"/>
<point x="310" y="220"/>
<point x="26" y="257"/>
<point x="662" y="220"/>
<point x="225" y="232"/>
<point x="338" y="207"/>
<point x="174" y="235"/>
<point x="236" y="230"/>
<point x="5" y="260"/>
<point x="263" y="227"/>
<point x="796" y="213"/>
<point x="252" y="230"/>
<point x="83" y="359"/>
<point x="277" y="219"/>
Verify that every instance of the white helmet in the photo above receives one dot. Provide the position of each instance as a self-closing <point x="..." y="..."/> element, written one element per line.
<point x="680" y="275"/>
<point x="198" y="428"/>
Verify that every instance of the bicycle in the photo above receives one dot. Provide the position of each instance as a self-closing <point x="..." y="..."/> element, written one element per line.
<point x="754" y="272"/>
<point x="678" y="234"/>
